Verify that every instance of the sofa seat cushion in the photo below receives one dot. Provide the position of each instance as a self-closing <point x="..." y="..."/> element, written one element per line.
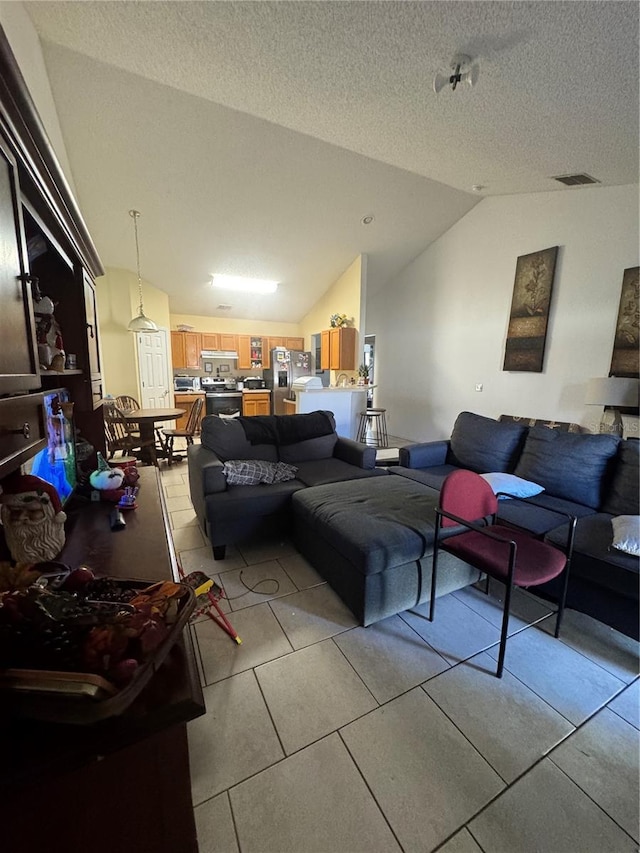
<point x="483" y="444"/>
<point x="257" y="500"/>
<point x="228" y="440"/>
<point x="317" y="472"/>
<point x="541" y="518"/>
<point x="594" y="558"/>
<point x="432" y="477"/>
<point x="375" y="524"/>
<point x="572" y="467"/>
<point x="623" y="493"/>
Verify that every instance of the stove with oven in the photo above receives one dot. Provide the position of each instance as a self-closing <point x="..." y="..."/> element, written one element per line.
<point x="222" y="396"/>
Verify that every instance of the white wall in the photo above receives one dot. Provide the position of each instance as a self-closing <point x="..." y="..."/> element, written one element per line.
<point x="441" y="326"/>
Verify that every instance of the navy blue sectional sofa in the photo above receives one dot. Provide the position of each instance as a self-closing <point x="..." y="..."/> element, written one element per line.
<point x="228" y="513"/>
<point x="593" y="477"/>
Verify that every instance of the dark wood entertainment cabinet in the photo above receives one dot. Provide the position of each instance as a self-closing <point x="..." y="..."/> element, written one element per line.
<point x="122" y="784"/>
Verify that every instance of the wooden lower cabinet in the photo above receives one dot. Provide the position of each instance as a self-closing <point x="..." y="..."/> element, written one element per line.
<point x="256" y="404"/>
<point x="186" y="401"/>
<point x="289" y="407"/>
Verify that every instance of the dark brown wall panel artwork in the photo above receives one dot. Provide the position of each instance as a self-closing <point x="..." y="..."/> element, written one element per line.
<point x="626" y="360"/>
<point x="529" y="315"/>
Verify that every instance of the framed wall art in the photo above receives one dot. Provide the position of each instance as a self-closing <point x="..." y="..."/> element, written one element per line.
<point x="529" y="316"/>
<point x="625" y="360"/>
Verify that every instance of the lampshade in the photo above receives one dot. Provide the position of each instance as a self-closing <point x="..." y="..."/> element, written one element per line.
<point x="141" y="323"/>
<point x="613" y="391"/>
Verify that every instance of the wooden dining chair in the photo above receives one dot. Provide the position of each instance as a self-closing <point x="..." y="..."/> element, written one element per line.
<point x="120" y="436"/>
<point x="129" y="404"/>
<point x="193" y="422"/>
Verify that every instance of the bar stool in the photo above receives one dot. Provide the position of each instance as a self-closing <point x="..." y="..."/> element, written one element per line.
<point x="368" y="419"/>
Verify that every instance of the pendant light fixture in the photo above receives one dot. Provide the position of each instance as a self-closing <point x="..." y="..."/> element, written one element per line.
<point x="139" y="323"/>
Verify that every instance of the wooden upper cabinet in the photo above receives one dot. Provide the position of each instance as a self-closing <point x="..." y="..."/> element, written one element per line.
<point x="178" y="357"/>
<point x="211" y="340"/>
<point x="185" y="349"/>
<point x="192" y="349"/>
<point x="244" y="352"/>
<point x="219" y="341"/>
<point x="272" y="342"/>
<point x="19" y="369"/>
<point x="325" y="349"/>
<point x="228" y="343"/>
<point x="340" y="345"/>
<point x="294" y="343"/>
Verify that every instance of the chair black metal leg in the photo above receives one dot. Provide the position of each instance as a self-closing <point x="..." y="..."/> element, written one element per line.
<point x="562" y="601"/>
<point x="434" y="568"/>
<point x="169" y="450"/>
<point x="505" y="629"/>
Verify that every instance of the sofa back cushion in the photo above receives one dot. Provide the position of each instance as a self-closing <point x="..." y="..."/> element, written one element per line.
<point x="483" y="444"/>
<point x="227" y="439"/>
<point x="569" y="466"/>
<point x="306" y="451"/>
<point x="622" y="495"/>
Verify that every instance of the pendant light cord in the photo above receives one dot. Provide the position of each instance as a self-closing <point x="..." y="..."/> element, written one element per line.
<point x="135" y="214"/>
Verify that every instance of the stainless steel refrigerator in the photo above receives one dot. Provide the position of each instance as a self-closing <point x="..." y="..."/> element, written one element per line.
<point x="284" y="367"/>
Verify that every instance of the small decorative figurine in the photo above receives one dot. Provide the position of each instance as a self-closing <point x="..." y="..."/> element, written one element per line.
<point x="105" y="478"/>
<point x="33" y="520"/>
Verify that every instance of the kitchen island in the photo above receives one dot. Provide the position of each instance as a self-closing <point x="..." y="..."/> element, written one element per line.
<point x="345" y="403"/>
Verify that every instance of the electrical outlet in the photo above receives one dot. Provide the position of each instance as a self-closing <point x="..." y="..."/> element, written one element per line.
<point x="479" y="386"/>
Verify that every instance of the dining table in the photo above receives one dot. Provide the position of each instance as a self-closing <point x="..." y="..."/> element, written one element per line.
<point x="148" y="418"/>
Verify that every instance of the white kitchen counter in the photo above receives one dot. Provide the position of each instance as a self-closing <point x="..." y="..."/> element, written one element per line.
<point x="256" y="391"/>
<point x="345" y="403"/>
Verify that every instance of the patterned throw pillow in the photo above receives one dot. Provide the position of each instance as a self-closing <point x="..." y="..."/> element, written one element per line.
<point x="250" y="472"/>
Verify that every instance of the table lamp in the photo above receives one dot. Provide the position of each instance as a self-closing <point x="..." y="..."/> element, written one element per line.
<point x="613" y="392"/>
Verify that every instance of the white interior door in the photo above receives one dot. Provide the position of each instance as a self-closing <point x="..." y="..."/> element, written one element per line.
<point x="153" y="361"/>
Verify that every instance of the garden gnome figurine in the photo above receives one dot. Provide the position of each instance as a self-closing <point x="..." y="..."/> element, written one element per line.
<point x="105" y="478"/>
<point x="33" y="520"/>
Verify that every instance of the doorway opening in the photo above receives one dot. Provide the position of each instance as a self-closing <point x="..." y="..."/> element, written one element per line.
<point x="369" y="360"/>
<point x="316" y="353"/>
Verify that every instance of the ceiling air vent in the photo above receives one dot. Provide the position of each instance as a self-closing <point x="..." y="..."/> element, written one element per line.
<point x="224" y="307"/>
<point x="575" y="180"/>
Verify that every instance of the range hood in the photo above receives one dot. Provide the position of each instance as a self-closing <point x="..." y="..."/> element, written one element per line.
<point x="218" y="353"/>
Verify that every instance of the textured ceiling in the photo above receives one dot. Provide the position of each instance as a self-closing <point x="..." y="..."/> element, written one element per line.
<point x="254" y="136"/>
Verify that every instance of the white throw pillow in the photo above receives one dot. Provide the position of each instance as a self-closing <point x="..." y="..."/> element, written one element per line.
<point x="513" y="486"/>
<point x="626" y="533"/>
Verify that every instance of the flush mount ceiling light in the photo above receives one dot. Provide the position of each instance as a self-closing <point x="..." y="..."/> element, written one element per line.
<point x="462" y="71"/>
<point x="241" y="284"/>
<point x="368" y="219"/>
<point x="139" y="323"/>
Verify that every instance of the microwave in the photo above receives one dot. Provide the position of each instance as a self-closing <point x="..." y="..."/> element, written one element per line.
<point x="186" y="383"/>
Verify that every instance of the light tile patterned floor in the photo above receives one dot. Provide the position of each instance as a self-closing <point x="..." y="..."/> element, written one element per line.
<point x="325" y="737"/>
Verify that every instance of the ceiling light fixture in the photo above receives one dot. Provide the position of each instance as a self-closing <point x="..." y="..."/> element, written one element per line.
<point x="243" y="285"/>
<point x="368" y="219"/>
<point x="462" y="72"/>
<point x="139" y="323"/>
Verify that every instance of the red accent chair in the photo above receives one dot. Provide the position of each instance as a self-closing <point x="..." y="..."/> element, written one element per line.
<point x="511" y="556"/>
